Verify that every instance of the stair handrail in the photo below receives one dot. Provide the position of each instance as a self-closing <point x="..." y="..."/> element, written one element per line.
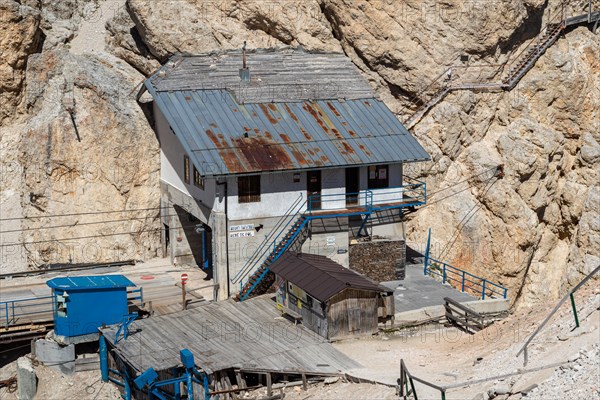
<point x="554" y="19"/>
<point x="417" y="96"/>
<point x="277" y="255"/>
<point x="277" y="229"/>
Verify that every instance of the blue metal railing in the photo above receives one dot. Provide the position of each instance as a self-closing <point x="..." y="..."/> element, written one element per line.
<point x="371" y="200"/>
<point x="342" y="204"/>
<point x="25" y="310"/>
<point x="283" y="225"/>
<point x="276" y="254"/>
<point x="463" y="280"/>
<point x="459" y="278"/>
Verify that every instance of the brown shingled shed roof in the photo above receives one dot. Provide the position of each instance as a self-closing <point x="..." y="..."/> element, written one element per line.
<point x="320" y="276"/>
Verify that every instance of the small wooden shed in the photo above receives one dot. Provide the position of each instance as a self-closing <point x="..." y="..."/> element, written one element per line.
<point x="331" y="300"/>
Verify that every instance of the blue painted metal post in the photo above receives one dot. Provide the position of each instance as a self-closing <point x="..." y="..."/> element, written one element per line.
<point x="426" y="258"/>
<point x="505" y="292"/>
<point x="483" y="290"/>
<point x="206" y="388"/>
<point x="176" y="387"/>
<point x="127" y="394"/>
<point x="13" y="311"/>
<point x="362" y="225"/>
<point x="6" y="306"/>
<point x="205" y="261"/>
<point x="463" y="282"/>
<point x="444" y="273"/>
<point x="103" y="359"/>
<point x="189" y="385"/>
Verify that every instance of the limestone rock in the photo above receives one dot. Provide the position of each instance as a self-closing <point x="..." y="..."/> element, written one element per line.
<point x="21" y="36"/>
<point x="537" y="228"/>
<point x="88" y="148"/>
<point x="196" y="27"/>
<point x="124" y="41"/>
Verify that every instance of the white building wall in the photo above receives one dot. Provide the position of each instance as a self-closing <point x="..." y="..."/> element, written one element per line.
<point x="278" y="193"/>
<point x="172" y="167"/>
<point x="391" y="194"/>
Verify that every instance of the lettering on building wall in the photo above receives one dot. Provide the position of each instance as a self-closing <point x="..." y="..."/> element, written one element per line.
<point x="234" y="235"/>
<point x="237" y="228"/>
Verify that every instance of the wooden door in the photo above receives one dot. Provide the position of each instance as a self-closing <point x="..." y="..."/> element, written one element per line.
<point x="352" y="186"/>
<point x="313" y="189"/>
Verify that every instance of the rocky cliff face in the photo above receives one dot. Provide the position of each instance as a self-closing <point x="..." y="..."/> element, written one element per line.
<point x="535" y="230"/>
<point x="76" y="147"/>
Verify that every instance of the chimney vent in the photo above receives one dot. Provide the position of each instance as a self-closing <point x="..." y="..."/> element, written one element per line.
<point x="244" y="71"/>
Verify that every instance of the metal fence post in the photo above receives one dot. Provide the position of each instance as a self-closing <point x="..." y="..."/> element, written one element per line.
<point x="444" y="274"/>
<point x="574" y="310"/>
<point x="483" y="290"/>
<point x="426" y="258"/>
<point x="505" y="292"/>
<point x="13" y="311"/>
<point x="463" y="281"/>
<point x="6" y="311"/>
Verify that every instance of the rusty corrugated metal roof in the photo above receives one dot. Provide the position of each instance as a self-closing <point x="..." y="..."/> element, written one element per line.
<point x="224" y="137"/>
<point x="320" y="276"/>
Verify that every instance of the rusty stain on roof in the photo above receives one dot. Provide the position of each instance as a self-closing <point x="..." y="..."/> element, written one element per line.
<point x="268" y="114"/>
<point x="290" y="136"/>
<point x="308" y="107"/>
<point x="332" y="108"/>
<point x="291" y="114"/>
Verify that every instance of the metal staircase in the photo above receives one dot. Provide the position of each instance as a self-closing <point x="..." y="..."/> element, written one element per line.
<point x="292" y="230"/>
<point x="261" y="279"/>
<point x="492" y="77"/>
<point x="531" y="54"/>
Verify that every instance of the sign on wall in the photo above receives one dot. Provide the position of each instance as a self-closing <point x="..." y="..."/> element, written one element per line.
<point x="234" y="235"/>
<point x="237" y="228"/>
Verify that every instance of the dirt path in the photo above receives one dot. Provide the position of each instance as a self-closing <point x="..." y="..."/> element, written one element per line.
<point x="91" y="35"/>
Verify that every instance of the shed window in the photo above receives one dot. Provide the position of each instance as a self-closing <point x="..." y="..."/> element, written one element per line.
<point x="309" y="301"/>
<point x="61" y="305"/>
<point x="249" y="189"/>
<point x="186" y="169"/>
<point x="198" y="179"/>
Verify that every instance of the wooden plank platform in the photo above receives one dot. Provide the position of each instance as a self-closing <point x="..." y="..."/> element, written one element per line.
<point x="249" y="335"/>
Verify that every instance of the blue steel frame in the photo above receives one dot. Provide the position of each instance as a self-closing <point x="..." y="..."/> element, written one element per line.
<point x="367" y="209"/>
<point x="148" y="379"/>
<point x="124" y="326"/>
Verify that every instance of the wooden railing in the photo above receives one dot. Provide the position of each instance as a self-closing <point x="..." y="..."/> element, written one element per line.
<point x="463" y="317"/>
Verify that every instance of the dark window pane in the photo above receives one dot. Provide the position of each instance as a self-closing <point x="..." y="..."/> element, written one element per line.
<point x="186" y="169"/>
<point x="249" y="189"/>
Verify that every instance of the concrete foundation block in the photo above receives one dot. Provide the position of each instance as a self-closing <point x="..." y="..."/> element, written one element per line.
<point x="26" y="379"/>
<point x="56" y="356"/>
<point x="65" y="340"/>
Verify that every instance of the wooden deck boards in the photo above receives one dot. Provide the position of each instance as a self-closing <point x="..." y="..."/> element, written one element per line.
<point x="250" y="335"/>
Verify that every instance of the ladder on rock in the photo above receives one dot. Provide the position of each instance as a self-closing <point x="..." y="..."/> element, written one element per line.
<point x="485" y="77"/>
<point x="531" y="54"/>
